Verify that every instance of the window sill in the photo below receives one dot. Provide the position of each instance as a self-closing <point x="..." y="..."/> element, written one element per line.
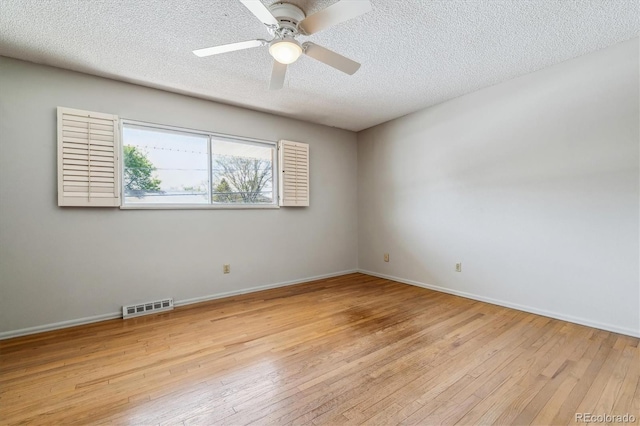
<point x="198" y="207"/>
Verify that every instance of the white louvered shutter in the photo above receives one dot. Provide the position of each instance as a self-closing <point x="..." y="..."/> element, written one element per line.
<point x="88" y="172"/>
<point x="294" y="173"/>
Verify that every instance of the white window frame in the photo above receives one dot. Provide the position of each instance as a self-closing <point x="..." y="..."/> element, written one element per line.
<point x="210" y="137"/>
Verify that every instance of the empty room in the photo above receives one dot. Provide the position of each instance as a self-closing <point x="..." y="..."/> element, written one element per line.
<point x="319" y="212"/>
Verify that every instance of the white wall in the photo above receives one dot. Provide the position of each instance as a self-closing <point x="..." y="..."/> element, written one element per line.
<point x="64" y="264"/>
<point x="532" y="184"/>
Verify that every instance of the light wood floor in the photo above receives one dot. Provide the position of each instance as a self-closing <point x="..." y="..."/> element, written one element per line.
<point x="348" y="350"/>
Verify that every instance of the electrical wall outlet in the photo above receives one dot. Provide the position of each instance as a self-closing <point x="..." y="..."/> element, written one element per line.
<point x="386" y="257"/>
<point x="458" y="267"/>
<point x="226" y="268"/>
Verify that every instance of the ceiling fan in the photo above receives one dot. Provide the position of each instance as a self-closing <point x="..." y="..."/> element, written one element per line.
<point x="285" y="22"/>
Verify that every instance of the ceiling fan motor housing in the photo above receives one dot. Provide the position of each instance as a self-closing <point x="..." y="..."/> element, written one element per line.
<point x="288" y="17"/>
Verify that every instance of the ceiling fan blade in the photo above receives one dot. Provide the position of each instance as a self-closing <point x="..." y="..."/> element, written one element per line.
<point x="229" y="47"/>
<point x="260" y="11"/>
<point x="334" y="14"/>
<point x="330" y="58"/>
<point x="277" y="75"/>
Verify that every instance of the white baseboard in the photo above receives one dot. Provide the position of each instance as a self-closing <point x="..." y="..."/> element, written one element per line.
<point x="102" y="317"/>
<point x="260" y="288"/>
<point x="545" y="313"/>
<point x="59" y="325"/>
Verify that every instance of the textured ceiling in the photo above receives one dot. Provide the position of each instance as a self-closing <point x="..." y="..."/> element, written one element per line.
<point x="413" y="53"/>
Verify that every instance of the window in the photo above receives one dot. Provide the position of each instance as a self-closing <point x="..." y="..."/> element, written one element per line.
<point x="241" y="172"/>
<point x="154" y="166"/>
<point x="164" y="166"/>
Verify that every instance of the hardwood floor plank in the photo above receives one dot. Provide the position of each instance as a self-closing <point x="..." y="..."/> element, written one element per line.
<point x="612" y="388"/>
<point x="625" y="398"/>
<point x="566" y="382"/>
<point x="596" y="390"/>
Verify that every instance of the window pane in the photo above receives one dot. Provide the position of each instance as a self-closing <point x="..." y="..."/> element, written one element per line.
<point x="164" y="167"/>
<point x="241" y="173"/>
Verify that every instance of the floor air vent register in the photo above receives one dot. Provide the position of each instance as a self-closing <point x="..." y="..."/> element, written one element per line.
<point x="146" y="308"/>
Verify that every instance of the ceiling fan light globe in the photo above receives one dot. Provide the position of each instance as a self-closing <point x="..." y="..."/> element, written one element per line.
<point x="285" y="51"/>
